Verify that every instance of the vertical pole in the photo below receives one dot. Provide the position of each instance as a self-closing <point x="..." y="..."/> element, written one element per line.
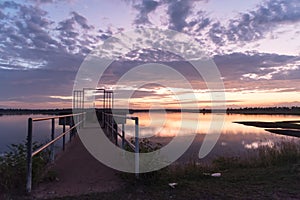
<point x="83" y="118"/>
<point x="103" y="105"/>
<point x="79" y="99"/>
<point x="114" y="133"/>
<point x="104" y="94"/>
<point x="73" y="100"/>
<point x="111" y="124"/>
<point x="72" y="131"/>
<point x="107" y="100"/>
<point x="107" y="123"/>
<point x="76" y="101"/>
<point x="123" y="136"/>
<point x="137" y="148"/>
<point x="83" y="96"/>
<point x="52" y="138"/>
<point x="64" y="130"/>
<point x="29" y="157"/>
<point x="112" y="100"/>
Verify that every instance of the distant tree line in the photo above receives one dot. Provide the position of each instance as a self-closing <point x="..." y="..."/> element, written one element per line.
<point x="247" y="110"/>
<point x="265" y="110"/>
<point x="12" y="111"/>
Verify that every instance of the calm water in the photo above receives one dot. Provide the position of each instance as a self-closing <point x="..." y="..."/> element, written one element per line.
<point x="234" y="139"/>
<point x="13" y="130"/>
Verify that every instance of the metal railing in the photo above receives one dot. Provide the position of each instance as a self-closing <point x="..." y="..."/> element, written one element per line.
<point x="112" y="127"/>
<point x="78" y="118"/>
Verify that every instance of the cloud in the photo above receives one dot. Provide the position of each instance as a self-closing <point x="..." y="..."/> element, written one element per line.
<point x="38" y="83"/>
<point x="254" y="24"/>
<point x="9" y="4"/>
<point x="2" y="15"/>
<point x="30" y="40"/>
<point x="216" y="33"/>
<point x="82" y="21"/>
<point x="244" y="65"/>
<point x="200" y="21"/>
<point x="178" y="11"/>
<point x="144" y="8"/>
<point x="40" y="2"/>
<point x="38" y="53"/>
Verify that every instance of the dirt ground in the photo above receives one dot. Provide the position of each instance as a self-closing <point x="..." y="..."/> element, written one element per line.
<point x="77" y="172"/>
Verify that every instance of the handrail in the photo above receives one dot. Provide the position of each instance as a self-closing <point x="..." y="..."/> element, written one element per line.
<point x="110" y="122"/>
<point x="132" y="146"/>
<point x="56" y="117"/>
<point x="31" y="154"/>
<point x="117" y="131"/>
<point x="53" y="141"/>
<point x="122" y="116"/>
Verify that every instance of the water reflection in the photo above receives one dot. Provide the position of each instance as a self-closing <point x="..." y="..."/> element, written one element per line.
<point x="162" y="127"/>
<point x="235" y="139"/>
<point x="13" y="130"/>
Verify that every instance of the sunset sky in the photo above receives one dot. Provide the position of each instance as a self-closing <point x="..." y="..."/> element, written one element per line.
<point x="255" y="44"/>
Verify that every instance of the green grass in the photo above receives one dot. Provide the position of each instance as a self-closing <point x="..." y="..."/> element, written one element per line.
<point x="252" y="183"/>
<point x="273" y="173"/>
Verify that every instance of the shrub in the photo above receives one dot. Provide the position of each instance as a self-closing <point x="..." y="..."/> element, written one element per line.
<point x="149" y="178"/>
<point x="13" y="167"/>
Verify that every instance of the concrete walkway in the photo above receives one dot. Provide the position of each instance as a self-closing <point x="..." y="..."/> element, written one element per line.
<point x="78" y="172"/>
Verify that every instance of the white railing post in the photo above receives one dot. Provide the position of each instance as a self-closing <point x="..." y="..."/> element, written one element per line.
<point x="29" y="157"/>
<point x="52" y="154"/>
<point x="137" y="148"/>
<point x="123" y="136"/>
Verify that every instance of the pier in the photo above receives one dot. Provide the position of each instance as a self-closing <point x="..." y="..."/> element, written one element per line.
<point x="73" y="164"/>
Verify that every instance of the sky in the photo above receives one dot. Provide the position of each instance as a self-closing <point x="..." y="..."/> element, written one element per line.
<point x="255" y="45"/>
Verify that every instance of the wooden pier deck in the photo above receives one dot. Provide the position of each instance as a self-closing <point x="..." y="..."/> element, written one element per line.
<point x="78" y="172"/>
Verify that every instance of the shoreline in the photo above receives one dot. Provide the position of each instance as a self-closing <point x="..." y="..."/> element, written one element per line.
<point x="244" y="111"/>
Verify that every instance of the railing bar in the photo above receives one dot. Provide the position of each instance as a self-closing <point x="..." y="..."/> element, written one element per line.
<point x="127" y="141"/>
<point x="56" y="117"/>
<point x="121" y="116"/>
<point x="57" y="138"/>
<point x="130" y="144"/>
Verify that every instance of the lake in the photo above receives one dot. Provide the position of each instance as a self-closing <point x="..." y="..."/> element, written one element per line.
<point x="13" y="130"/>
<point x="235" y="139"/>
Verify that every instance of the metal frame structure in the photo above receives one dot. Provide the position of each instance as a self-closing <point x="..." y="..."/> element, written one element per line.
<point x="31" y="154"/>
<point x="76" y="120"/>
<point x="113" y="128"/>
<point x="108" y="122"/>
<point x="79" y="98"/>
